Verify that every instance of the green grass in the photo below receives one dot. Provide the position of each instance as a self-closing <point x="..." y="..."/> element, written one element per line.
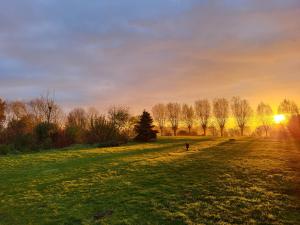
<point x="248" y="181"/>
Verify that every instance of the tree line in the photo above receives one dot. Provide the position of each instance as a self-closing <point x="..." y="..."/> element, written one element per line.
<point x="217" y="113"/>
<point x="42" y="124"/>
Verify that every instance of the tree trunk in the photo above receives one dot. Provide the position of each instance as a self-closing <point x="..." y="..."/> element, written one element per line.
<point x="242" y="131"/>
<point x="174" y="130"/>
<point x="204" y="131"/>
<point x="222" y="131"/>
<point x="189" y="130"/>
<point x="161" y="131"/>
<point x="49" y="114"/>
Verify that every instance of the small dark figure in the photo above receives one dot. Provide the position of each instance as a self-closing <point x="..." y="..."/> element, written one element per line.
<point x="102" y="214"/>
<point x="187" y="146"/>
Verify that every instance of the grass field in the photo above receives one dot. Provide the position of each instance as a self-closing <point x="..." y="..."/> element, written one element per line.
<point x="247" y="181"/>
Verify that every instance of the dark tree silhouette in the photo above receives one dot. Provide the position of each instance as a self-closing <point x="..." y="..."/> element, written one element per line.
<point x="188" y="116"/>
<point x="288" y="107"/>
<point x="264" y="113"/>
<point x="159" y="112"/>
<point x="241" y="111"/>
<point x="173" y="112"/>
<point x="221" y="111"/>
<point x="203" y="109"/>
<point x="144" y="128"/>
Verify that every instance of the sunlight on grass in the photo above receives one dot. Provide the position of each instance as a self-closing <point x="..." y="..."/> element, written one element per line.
<point x="246" y="181"/>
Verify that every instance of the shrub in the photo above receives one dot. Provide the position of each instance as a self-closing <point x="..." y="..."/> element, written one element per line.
<point x="60" y="139"/>
<point x="5" y="149"/>
<point x="186" y="133"/>
<point x="75" y="135"/>
<point x="101" y="131"/>
<point x="24" y="142"/>
<point x="294" y="126"/>
<point x="19" y="133"/>
<point x="45" y="134"/>
<point x="167" y="133"/>
<point x="109" y="144"/>
<point x="183" y="133"/>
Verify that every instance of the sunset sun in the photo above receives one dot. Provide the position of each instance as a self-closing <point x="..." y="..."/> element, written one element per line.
<point x="280" y="118"/>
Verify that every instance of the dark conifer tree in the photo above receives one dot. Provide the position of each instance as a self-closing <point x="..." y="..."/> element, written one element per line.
<point x="144" y="128"/>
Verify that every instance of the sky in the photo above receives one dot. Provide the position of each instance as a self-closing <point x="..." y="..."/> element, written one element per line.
<point x="141" y="52"/>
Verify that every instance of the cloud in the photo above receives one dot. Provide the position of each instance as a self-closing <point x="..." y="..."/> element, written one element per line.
<point x="142" y="52"/>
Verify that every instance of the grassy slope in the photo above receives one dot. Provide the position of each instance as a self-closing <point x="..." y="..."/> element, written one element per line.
<point x="247" y="181"/>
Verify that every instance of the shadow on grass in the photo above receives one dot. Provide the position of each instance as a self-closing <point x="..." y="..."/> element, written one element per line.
<point x="192" y="189"/>
<point x="84" y="158"/>
<point x="161" y="193"/>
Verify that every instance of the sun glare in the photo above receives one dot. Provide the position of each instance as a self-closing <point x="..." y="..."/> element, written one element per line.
<point x="280" y="118"/>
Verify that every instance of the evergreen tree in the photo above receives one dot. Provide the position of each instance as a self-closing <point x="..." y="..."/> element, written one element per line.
<point x="144" y="128"/>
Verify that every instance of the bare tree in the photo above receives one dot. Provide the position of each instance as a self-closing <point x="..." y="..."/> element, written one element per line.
<point x="49" y="107"/>
<point x="264" y="113"/>
<point x="2" y="112"/>
<point x="77" y="118"/>
<point x="203" y="110"/>
<point x="45" y="109"/>
<point x="92" y="112"/>
<point x="35" y="108"/>
<point x="213" y="128"/>
<point x="241" y="111"/>
<point x="173" y="113"/>
<point x="159" y="112"/>
<point x="288" y="107"/>
<point x="221" y="111"/>
<point x="129" y="130"/>
<point x="119" y="116"/>
<point x="188" y="116"/>
<point x="16" y="110"/>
